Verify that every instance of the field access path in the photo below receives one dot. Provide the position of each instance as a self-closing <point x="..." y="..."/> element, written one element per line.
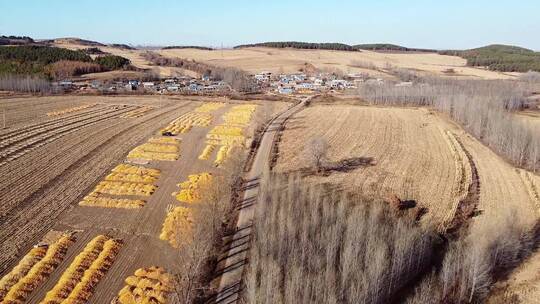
<point x="237" y="250"/>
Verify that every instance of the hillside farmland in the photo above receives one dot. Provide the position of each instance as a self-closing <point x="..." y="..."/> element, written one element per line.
<point x="413" y="153"/>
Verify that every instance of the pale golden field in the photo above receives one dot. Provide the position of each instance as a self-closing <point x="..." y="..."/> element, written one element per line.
<point x="415" y="154"/>
<point x="255" y="60"/>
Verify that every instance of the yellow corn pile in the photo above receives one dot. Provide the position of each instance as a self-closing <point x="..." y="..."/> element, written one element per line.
<point x="230" y="133"/>
<point x="130" y="169"/>
<point x="185" y="122"/>
<point x="70" y="110"/>
<point x="136" y="113"/>
<point x="209" y="107"/>
<point x="148" y="285"/>
<point x="177" y="226"/>
<point x="222" y="154"/>
<point x="164" y="140"/>
<point x="32" y="270"/>
<point x="155" y="151"/>
<point x="123" y="180"/>
<point x="124" y="188"/>
<point x="77" y="283"/>
<point x="132" y="178"/>
<point x="239" y="115"/>
<point x="94" y="200"/>
<point x="191" y="189"/>
<point x="205" y="155"/>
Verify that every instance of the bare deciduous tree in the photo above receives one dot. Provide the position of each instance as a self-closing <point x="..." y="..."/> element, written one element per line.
<point x="316" y="152"/>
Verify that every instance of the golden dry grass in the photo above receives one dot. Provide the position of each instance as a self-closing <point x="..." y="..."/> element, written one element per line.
<point x="415" y="157"/>
<point x="255" y="60"/>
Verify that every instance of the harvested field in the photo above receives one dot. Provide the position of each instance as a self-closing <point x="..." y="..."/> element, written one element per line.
<point x="257" y="59"/>
<point x="43" y="190"/>
<point x="57" y="173"/>
<point x="413" y="153"/>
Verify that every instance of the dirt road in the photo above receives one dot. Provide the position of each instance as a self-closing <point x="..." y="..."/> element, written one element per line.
<point x="232" y="266"/>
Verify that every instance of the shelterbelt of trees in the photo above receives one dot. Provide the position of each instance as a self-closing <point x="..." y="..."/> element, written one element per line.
<point x="53" y="63"/>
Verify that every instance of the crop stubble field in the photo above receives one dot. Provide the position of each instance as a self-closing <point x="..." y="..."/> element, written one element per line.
<point x="415" y="154"/>
<point x="41" y="187"/>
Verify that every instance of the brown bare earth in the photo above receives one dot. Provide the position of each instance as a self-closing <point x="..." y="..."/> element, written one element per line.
<point x="413" y="153"/>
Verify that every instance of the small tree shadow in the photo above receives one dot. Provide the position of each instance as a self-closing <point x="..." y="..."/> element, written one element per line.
<point x="344" y="165"/>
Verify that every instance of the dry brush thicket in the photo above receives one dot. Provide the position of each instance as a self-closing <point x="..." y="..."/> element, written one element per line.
<point x="484" y="108"/>
<point x="312" y="246"/>
<point x="316" y="245"/>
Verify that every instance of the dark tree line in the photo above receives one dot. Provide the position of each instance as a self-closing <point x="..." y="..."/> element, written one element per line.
<point x="500" y="58"/>
<point x="172" y="47"/>
<point x="44" y="61"/>
<point x="301" y="45"/>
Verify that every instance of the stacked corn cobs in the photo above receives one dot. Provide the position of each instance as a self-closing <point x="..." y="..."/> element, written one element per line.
<point x="177" y="226"/>
<point x="123" y="180"/>
<point x="32" y="270"/>
<point x="156" y="150"/>
<point x="190" y="190"/>
<point x="77" y="283"/>
<point x="147" y="285"/>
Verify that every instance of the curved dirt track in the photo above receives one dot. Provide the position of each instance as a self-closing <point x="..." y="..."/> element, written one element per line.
<point x="39" y="185"/>
<point x="413" y="158"/>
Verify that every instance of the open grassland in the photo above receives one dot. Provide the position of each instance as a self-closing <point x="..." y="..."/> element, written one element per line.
<point x="413" y="153"/>
<point x="255" y="60"/>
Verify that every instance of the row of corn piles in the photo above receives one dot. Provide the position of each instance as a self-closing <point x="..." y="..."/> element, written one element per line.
<point x="177" y="226"/>
<point x="124" y="179"/>
<point x="230" y="133"/>
<point x="70" y="110"/>
<point x="77" y="283"/>
<point x="156" y="149"/>
<point x="32" y="270"/>
<point x="185" y="122"/>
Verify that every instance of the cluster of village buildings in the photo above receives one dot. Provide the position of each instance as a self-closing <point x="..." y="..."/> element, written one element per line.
<point x="296" y="83"/>
<point x="183" y="84"/>
<point x="304" y="84"/>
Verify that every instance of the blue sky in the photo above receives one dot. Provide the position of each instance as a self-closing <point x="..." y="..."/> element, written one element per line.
<point x="414" y="23"/>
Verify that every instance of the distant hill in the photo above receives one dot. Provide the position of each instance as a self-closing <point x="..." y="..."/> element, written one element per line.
<point x="498" y="57"/>
<point x="54" y="62"/>
<point x="122" y="46"/>
<point x="171" y="47"/>
<point x="301" y="45"/>
<point x="73" y="40"/>
<point x="389" y="47"/>
<point x="15" y="40"/>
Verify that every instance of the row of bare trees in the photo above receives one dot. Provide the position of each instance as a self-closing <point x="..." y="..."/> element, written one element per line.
<point x="493" y="247"/>
<point x="19" y="83"/>
<point x="313" y="245"/>
<point x="484" y="108"/>
<point x="236" y="78"/>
